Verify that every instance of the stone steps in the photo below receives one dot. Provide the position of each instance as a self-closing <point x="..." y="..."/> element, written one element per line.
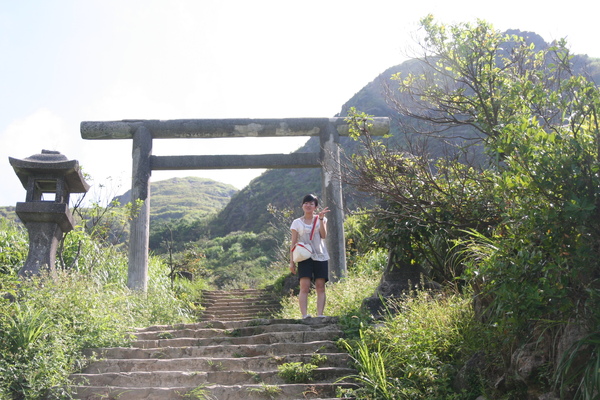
<point x="266" y="362"/>
<point x="196" y="378"/>
<point x="316" y="391"/>
<point x="238" y="305"/>
<point x="220" y="358"/>
<point x="263" y="338"/>
<point x="217" y="351"/>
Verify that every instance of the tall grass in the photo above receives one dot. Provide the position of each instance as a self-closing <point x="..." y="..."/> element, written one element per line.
<point x="578" y="371"/>
<point x="416" y="351"/>
<point x="42" y="333"/>
<point x="34" y="356"/>
<point x="13" y="245"/>
<point x="46" y="321"/>
<point x="373" y="373"/>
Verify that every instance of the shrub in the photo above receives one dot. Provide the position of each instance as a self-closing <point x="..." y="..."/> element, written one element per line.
<point x="416" y="351"/>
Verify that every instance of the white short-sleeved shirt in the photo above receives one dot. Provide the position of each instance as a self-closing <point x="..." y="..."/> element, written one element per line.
<point x="319" y="249"/>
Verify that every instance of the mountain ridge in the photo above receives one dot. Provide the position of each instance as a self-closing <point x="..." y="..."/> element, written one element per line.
<point x="287" y="187"/>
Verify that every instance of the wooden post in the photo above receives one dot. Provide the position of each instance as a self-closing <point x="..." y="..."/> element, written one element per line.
<point x="137" y="277"/>
<point x="332" y="193"/>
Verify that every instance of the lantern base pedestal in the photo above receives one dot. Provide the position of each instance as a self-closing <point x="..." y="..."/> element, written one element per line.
<point x="46" y="223"/>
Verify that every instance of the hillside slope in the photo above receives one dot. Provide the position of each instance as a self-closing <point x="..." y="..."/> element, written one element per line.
<point x="189" y="197"/>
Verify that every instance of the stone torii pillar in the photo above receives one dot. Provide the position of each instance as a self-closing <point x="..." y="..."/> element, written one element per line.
<point x="331" y="187"/>
<point x="143" y="131"/>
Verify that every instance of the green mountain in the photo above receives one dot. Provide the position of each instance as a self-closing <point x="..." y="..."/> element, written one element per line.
<point x="189" y="198"/>
<point x="247" y="210"/>
<point x="8" y="213"/>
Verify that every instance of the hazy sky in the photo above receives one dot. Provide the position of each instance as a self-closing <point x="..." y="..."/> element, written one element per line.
<point x="67" y="61"/>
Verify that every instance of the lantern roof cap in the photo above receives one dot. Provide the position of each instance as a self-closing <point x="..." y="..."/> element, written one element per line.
<point x="53" y="163"/>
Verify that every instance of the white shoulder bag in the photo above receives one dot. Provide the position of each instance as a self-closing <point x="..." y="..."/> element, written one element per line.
<point x="303" y="251"/>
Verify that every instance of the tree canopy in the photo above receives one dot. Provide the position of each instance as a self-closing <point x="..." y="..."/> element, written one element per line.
<point x="512" y="205"/>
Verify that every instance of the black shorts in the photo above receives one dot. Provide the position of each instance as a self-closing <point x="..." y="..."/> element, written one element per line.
<point x="313" y="269"/>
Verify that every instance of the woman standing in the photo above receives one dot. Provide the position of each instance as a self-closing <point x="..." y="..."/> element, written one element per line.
<point x="315" y="268"/>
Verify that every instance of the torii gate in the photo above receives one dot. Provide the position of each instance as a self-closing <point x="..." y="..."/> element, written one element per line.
<point x="143" y="131"/>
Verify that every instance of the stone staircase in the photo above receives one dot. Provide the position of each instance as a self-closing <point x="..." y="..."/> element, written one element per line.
<point x="236" y="305"/>
<point x="230" y="355"/>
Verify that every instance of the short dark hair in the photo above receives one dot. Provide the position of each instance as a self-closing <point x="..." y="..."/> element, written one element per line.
<point x="311" y="197"/>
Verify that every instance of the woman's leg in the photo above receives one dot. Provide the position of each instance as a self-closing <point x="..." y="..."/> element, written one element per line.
<point x="303" y="296"/>
<point x="321" y="297"/>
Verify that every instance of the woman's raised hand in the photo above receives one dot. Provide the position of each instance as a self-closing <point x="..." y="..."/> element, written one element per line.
<point x="323" y="212"/>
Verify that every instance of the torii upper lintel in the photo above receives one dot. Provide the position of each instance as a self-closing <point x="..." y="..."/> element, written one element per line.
<point x="223" y="128"/>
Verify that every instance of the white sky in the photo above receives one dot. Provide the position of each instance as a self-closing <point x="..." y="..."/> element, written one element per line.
<point x="67" y="61"/>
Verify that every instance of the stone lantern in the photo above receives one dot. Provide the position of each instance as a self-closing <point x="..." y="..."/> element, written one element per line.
<point x="49" y="179"/>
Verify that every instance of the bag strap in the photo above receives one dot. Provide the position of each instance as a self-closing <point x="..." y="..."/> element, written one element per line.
<point x="312" y="232"/>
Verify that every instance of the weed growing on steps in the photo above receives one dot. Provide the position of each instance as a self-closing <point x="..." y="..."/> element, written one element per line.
<point x="199" y="393"/>
<point x="268" y="391"/>
<point x="215" y="366"/>
<point x="318" y="359"/>
<point x="233" y="332"/>
<point x="255" y="376"/>
<point x="165" y="335"/>
<point x="297" y="372"/>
